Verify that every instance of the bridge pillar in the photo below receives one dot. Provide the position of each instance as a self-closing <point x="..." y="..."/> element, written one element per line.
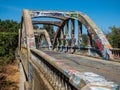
<point x="66" y="32"/>
<point x="79" y="34"/>
<point x="79" y="30"/>
<point x="19" y="39"/>
<point x="62" y="37"/>
<point x="29" y="29"/>
<point x="28" y="39"/>
<point x="72" y="27"/>
<point x="89" y="39"/>
<point x="61" y="34"/>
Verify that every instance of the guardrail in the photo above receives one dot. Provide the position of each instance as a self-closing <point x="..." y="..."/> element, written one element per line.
<point x="63" y="77"/>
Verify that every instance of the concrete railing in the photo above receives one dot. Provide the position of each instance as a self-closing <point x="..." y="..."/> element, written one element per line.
<point x="89" y="51"/>
<point x="116" y="53"/>
<point x="64" y="77"/>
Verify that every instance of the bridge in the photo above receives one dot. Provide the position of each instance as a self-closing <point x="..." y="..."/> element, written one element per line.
<point x="58" y="61"/>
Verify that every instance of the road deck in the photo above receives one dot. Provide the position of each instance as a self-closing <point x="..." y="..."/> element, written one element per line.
<point x="109" y="70"/>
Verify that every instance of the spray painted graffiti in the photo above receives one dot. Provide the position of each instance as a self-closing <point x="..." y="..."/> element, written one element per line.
<point x="45" y="13"/>
<point x="53" y="13"/>
<point x="74" y="15"/>
<point x="104" y="51"/>
<point x="30" y="72"/>
<point x="31" y="42"/>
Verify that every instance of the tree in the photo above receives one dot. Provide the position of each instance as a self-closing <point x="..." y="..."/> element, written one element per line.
<point x="9" y="26"/>
<point x="8" y="39"/>
<point x="114" y="36"/>
<point x="50" y="30"/>
<point x="84" y="40"/>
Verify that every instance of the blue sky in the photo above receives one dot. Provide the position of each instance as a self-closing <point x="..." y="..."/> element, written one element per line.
<point x="104" y="13"/>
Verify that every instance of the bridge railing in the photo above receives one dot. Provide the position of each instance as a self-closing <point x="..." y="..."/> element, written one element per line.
<point x="84" y="50"/>
<point x="53" y="73"/>
<point x="63" y="77"/>
<point x="116" y="53"/>
<point x="89" y="51"/>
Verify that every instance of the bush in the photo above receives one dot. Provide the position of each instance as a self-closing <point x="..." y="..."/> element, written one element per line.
<point x="8" y="44"/>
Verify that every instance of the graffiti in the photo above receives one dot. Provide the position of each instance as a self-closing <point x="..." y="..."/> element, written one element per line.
<point x="98" y="42"/>
<point x="31" y="42"/>
<point x="30" y="72"/>
<point x="75" y="80"/>
<point x="74" y="15"/>
<point x="45" y="13"/>
<point x="106" y="43"/>
<point x="69" y="70"/>
<point x="102" y="47"/>
<point x="102" y="44"/>
<point x="53" y="13"/>
<point x="89" y="44"/>
<point x="103" y="38"/>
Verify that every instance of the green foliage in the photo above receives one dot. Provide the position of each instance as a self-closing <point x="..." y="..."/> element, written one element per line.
<point x="8" y="40"/>
<point x="8" y="44"/>
<point x="49" y="28"/>
<point x="84" y="40"/>
<point x="114" y="36"/>
<point x="8" y="26"/>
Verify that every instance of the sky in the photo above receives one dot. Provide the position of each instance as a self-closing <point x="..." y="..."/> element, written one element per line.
<point x="105" y="13"/>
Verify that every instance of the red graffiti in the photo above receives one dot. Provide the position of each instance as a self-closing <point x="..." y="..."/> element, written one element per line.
<point x="99" y="44"/>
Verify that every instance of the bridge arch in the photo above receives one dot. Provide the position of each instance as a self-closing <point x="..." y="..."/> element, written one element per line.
<point x="94" y="33"/>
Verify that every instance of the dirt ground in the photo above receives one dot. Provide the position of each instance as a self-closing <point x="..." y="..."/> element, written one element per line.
<point x="9" y="77"/>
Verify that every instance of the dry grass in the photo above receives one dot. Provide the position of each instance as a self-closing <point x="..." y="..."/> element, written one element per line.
<point x="9" y="77"/>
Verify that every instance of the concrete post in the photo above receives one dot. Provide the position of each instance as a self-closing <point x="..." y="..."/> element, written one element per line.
<point x="61" y="34"/>
<point x="72" y="27"/>
<point x="66" y="32"/>
<point x="79" y="30"/>
<point x="29" y="29"/>
<point x="19" y="39"/>
<point x="79" y="35"/>
<point x="29" y="35"/>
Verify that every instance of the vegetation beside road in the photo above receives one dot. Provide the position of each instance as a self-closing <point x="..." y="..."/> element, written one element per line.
<point x="9" y="76"/>
<point x="9" y="73"/>
<point x="8" y="40"/>
<point x="114" y="36"/>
